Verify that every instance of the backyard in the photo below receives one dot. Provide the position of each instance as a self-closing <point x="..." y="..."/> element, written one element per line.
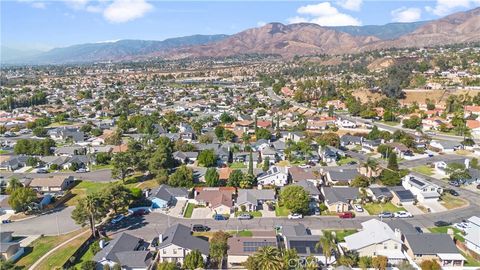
<point x="458" y="234"/>
<point x="377" y="208"/>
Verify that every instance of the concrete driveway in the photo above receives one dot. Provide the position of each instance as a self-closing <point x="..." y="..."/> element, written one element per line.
<point x="202" y="213"/>
<point x="176" y="210"/>
<point x="435" y="207"/>
<point x="414" y="210"/>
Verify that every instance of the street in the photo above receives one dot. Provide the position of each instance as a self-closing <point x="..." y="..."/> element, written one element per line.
<point x="103" y="175"/>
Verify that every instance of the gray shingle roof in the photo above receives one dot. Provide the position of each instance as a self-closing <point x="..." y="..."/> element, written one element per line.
<point x="166" y="192"/>
<point x="309" y="187"/>
<point x="340" y="194"/>
<point x="431" y="243"/>
<point x="253" y="195"/>
<point x="180" y="235"/>
<point x="124" y="242"/>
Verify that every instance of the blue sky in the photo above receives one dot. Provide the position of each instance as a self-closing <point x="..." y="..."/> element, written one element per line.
<point x="36" y="24"/>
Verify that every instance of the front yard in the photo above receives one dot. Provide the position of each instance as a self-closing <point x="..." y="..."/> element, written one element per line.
<point x="341" y="234"/>
<point x="423" y="169"/>
<point x="237" y="165"/>
<point x="377" y="208"/>
<point x="451" y="202"/>
<point x="281" y="211"/>
<point x="189" y="210"/>
<point x="345" y="161"/>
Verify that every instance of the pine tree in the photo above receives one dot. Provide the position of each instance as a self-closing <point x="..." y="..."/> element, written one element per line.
<point x="250" y="163"/>
<point x="392" y="162"/>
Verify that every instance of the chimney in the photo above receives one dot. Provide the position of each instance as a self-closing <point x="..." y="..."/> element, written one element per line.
<point x="160" y="238"/>
<point x="467" y="163"/>
<point x="398" y="233"/>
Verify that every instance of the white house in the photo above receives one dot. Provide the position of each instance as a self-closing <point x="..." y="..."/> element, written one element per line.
<point x="177" y="241"/>
<point x="275" y="176"/>
<point x="472" y="234"/>
<point x="423" y="190"/>
<point x="445" y="146"/>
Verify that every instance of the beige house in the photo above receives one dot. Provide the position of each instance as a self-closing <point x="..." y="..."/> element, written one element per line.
<point x="219" y="199"/>
<point x="240" y="248"/>
<point x="377" y="238"/>
<point x="339" y="199"/>
<point x="433" y="246"/>
<point x="56" y="183"/>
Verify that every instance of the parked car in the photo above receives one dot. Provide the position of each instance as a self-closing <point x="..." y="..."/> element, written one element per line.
<point x="358" y="208"/>
<point x="140" y="212"/>
<point x="117" y="219"/>
<point x="200" y="228"/>
<point x="42" y="171"/>
<point x="452" y="192"/>
<point x="6" y="221"/>
<point x="385" y="215"/>
<point x="441" y="223"/>
<point x="245" y="216"/>
<point x="454" y="183"/>
<point x="295" y="216"/>
<point x="346" y="215"/>
<point x="81" y="170"/>
<point x="402" y="214"/>
<point x="219" y="217"/>
<point x="461" y="226"/>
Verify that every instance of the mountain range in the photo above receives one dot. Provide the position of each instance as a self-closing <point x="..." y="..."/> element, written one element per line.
<point x="274" y="38"/>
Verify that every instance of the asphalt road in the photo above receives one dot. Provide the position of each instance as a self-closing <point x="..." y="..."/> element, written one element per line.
<point x="430" y="160"/>
<point x="103" y="175"/>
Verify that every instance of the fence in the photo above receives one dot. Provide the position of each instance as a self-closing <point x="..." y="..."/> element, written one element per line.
<point x="79" y="252"/>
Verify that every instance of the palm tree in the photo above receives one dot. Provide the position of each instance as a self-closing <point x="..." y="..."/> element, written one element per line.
<point x="327" y="244"/>
<point x="371" y="167"/>
<point x="269" y="258"/>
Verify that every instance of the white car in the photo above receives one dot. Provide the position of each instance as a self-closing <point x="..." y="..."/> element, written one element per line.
<point x="118" y="219"/>
<point x="402" y="214"/>
<point x="358" y="208"/>
<point x="295" y="216"/>
<point x="461" y="226"/>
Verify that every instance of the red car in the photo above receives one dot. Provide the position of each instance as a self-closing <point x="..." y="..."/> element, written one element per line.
<point x="346" y="215"/>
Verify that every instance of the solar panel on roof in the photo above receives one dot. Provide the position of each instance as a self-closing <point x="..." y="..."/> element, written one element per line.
<point x="417" y="182"/>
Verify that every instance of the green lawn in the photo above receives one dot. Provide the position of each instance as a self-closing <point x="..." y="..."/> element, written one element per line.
<point x="252" y="213"/>
<point x="237" y="165"/>
<point x="59" y="124"/>
<point x="245" y="233"/>
<point x="423" y="169"/>
<point x="40" y="247"/>
<point x="87" y="256"/>
<point x="189" y="211"/>
<point x="281" y="211"/>
<point x="341" y="234"/>
<point x="471" y="262"/>
<point x="390" y="123"/>
<point x="3" y="151"/>
<point x="458" y="234"/>
<point x="57" y="259"/>
<point x="101" y="167"/>
<point x="345" y="161"/>
<point x="85" y="188"/>
<point x="377" y="208"/>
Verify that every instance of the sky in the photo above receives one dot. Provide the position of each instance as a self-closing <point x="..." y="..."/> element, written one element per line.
<point x="42" y="25"/>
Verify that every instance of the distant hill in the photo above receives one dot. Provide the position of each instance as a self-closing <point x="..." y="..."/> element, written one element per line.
<point x="10" y="54"/>
<point x="112" y="51"/>
<point x="387" y="31"/>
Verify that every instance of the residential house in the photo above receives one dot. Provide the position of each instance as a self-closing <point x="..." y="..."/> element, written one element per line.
<point x="402" y="196"/>
<point x="54" y="184"/>
<point x="400" y="149"/>
<point x="240" y="248"/>
<point x="185" y="157"/>
<point x="376" y="238"/>
<point x="472" y="234"/>
<point x="436" y="246"/>
<point x="165" y="196"/>
<point x="254" y="199"/>
<point x="340" y="175"/>
<point x="244" y="157"/>
<point x="9" y="250"/>
<point x="380" y="194"/>
<point x="423" y="190"/>
<point x="471" y="110"/>
<point x="295" y="136"/>
<point x="474" y="126"/>
<point x="5" y="207"/>
<point x="70" y="150"/>
<point x="371" y="145"/>
<point x="279" y="146"/>
<point x="66" y="133"/>
<point x="330" y="154"/>
<point x="219" y="199"/>
<point x="339" y="199"/>
<point x="298" y="174"/>
<point x="346" y="140"/>
<point x="310" y="188"/>
<point x="301" y="239"/>
<point x="177" y="241"/>
<point x="275" y="176"/>
<point x="270" y="153"/>
<point x="12" y="163"/>
<point x="445" y="146"/>
<point x="127" y="251"/>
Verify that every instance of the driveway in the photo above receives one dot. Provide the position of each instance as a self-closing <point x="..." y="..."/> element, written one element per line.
<point x="435" y="207"/>
<point x="202" y="213"/>
<point x="176" y="210"/>
<point x="414" y="210"/>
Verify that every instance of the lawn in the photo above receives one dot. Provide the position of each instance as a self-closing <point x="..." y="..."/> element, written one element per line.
<point x="345" y="161"/>
<point x="189" y="211"/>
<point x="85" y="188"/>
<point x="87" y="256"/>
<point x="59" y="124"/>
<point x="281" y="211"/>
<point x="39" y="247"/>
<point x="245" y="233"/>
<point x="101" y="167"/>
<point x="377" y="208"/>
<point x="452" y="202"/>
<point x="237" y="165"/>
<point x="458" y="234"/>
<point x="423" y="169"/>
<point x="3" y="151"/>
<point x="152" y="183"/>
<point x="341" y="234"/>
<point x="471" y="262"/>
<point x="57" y="259"/>
<point x="252" y="213"/>
<point x="390" y="123"/>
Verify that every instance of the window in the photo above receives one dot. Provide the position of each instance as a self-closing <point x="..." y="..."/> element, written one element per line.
<point x="174" y="251"/>
<point x="395" y="246"/>
<point x="164" y="251"/>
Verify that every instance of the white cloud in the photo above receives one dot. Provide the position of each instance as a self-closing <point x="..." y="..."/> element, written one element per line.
<point x="94" y="9"/>
<point x="120" y="11"/>
<point x="404" y="14"/>
<point x="40" y="5"/>
<point x="323" y="14"/>
<point x="354" y="5"/>
<point x="445" y="7"/>
<point x="261" y="23"/>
